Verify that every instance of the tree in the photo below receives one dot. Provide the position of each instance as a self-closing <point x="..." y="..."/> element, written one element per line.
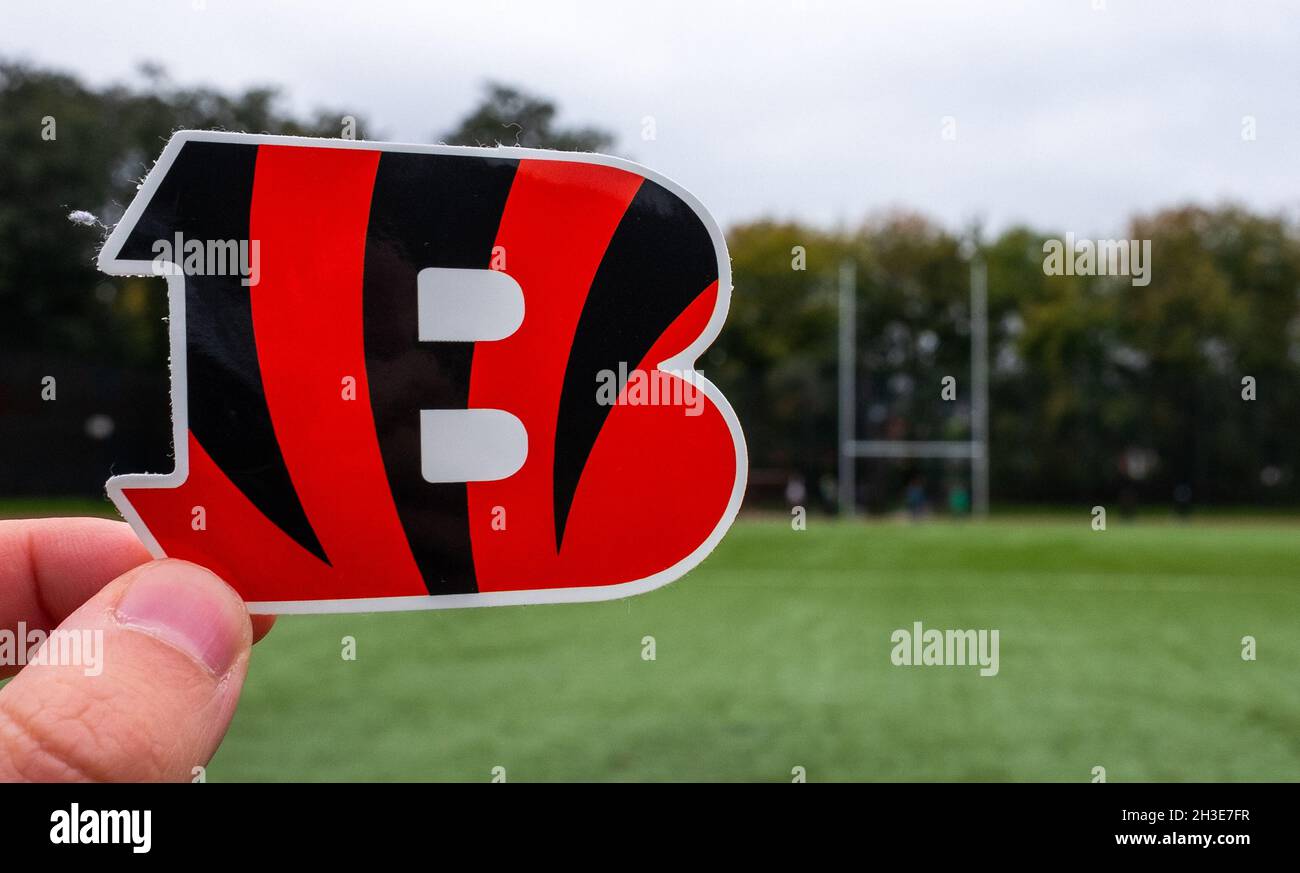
<point x="65" y="146"/>
<point x="1100" y="389"/>
<point x="509" y="116"/>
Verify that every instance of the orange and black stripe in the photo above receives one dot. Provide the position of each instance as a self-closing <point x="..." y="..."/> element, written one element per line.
<point x="614" y="268"/>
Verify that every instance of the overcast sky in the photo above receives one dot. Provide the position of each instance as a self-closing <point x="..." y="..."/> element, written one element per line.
<point x="1066" y="116"/>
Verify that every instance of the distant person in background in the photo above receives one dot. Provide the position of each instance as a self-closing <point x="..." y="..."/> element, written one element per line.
<point x="1128" y="503"/>
<point x="796" y="491"/>
<point x="1183" y="500"/>
<point x="958" y="500"/>
<point x="914" y="498"/>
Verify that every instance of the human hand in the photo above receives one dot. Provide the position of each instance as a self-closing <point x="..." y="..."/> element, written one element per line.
<point x="173" y="648"/>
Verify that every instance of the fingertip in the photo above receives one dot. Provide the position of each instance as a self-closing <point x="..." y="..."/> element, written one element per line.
<point x="50" y="566"/>
<point x="262" y="625"/>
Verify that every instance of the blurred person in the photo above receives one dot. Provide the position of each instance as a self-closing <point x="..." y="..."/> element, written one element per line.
<point x="914" y="498"/>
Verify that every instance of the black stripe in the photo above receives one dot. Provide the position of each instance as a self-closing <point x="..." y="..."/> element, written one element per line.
<point x="426" y="211"/>
<point x="660" y="258"/>
<point x="207" y="195"/>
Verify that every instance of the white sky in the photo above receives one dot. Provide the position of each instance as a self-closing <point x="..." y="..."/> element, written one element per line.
<point x="1067" y="117"/>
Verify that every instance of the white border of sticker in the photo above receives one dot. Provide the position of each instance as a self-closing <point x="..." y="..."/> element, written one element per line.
<point x="683" y="364"/>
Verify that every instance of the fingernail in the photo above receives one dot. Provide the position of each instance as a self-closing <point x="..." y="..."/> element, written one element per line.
<point x="187" y="608"/>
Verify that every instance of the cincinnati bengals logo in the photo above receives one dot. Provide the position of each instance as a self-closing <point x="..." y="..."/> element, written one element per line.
<point x="396" y="400"/>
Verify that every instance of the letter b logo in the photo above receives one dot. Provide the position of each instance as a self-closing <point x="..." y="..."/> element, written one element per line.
<point x="474" y="295"/>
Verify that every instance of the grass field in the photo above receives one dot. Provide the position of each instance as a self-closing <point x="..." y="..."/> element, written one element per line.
<point x="1120" y="648"/>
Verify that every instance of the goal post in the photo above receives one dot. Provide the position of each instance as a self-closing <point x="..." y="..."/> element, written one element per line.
<point x="975" y="449"/>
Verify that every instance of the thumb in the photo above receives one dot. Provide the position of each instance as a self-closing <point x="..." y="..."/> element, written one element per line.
<point x="139" y="684"/>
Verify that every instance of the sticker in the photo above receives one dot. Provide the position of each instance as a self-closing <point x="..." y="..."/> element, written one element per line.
<point x="412" y="377"/>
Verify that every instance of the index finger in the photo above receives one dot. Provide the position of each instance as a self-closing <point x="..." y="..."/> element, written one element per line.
<point x="50" y="566"/>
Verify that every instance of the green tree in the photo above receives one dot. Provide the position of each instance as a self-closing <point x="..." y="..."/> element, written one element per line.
<point x="1089" y="374"/>
<point x="512" y="117"/>
<point x="66" y="146"/>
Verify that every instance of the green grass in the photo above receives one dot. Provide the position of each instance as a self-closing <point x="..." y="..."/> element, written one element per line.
<point x="1119" y="649"/>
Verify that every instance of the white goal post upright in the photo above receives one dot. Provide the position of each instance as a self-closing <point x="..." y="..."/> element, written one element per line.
<point x="851" y="448"/>
<point x="848" y="405"/>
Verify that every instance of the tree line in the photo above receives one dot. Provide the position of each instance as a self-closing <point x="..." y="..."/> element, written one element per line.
<point x="1186" y="387"/>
